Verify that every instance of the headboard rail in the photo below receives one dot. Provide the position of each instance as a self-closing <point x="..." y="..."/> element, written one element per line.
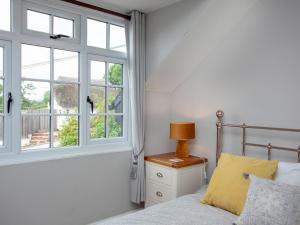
<point x="269" y="147"/>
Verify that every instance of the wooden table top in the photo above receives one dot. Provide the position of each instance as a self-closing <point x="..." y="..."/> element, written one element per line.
<point x="171" y="160"/>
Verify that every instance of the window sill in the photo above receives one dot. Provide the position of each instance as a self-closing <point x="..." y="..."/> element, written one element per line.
<point x="47" y="155"/>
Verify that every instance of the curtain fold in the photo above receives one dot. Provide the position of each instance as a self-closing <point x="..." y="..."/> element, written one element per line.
<point x="137" y="72"/>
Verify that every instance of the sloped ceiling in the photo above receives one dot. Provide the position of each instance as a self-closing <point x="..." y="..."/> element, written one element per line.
<point x="211" y="26"/>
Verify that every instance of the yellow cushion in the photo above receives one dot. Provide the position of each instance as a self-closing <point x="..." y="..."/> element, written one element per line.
<point x="228" y="188"/>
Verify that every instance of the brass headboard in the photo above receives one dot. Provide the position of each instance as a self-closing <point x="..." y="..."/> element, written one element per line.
<point x="269" y="147"/>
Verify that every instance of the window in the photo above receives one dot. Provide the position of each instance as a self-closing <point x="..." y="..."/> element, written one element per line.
<point x="49" y="97"/>
<point x="96" y="33"/>
<point x="51" y="22"/>
<point x="38" y="21"/>
<point x="54" y="82"/>
<point x="63" y="26"/>
<point x="117" y="38"/>
<point x="98" y="36"/>
<point x="5" y="15"/>
<point x="106" y="92"/>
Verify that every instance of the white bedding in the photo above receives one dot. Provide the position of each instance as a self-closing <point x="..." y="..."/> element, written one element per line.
<point x="186" y="210"/>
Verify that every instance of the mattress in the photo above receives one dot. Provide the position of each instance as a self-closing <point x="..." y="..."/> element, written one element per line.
<point x="185" y="210"/>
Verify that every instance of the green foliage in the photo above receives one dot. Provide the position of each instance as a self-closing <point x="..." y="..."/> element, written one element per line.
<point x="115" y="128"/>
<point x="115" y="74"/>
<point x="97" y="124"/>
<point x="68" y="135"/>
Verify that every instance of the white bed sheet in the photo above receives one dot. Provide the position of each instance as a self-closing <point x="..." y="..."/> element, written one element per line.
<point x="186" y="210"/>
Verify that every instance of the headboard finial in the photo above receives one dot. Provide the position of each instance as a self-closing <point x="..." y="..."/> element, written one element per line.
<point x="220" y="114"/>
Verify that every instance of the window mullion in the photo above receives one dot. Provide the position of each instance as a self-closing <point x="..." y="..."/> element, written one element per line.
<point x="51" y="24"/>
<point x="84" y="83"/>
<point x="106" y="100"/>
<point x="84" y="112"/>
<point x="16" y="117"/>
<point x="51" y="98"/>
<point x="107" y="35"/>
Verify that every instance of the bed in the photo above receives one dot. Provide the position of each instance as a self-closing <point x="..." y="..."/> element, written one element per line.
<point x="187" y="210"/>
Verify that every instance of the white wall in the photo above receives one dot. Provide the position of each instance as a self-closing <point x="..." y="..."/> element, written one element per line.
<point x="73" y="191"/>
<point x="245" y="60"/>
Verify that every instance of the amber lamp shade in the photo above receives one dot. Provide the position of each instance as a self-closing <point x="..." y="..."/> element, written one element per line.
<point x="182" y="132"/>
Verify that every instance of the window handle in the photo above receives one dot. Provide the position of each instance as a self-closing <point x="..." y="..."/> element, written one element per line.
<point x="91" y="103"/>
<point x="59" y="36"/>
<point x="9" y="102"/>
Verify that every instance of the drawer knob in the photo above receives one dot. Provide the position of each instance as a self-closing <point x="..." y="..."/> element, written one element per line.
<point x="159" y="194"/>
<point x="159" y="174"/>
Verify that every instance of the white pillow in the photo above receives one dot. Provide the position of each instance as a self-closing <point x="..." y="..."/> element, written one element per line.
<point x="288" y="173"/>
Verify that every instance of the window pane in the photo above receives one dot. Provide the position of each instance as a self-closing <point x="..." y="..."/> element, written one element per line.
<point x="115" y="126"/>
<point x="65" y="66"/>
<point x="35" y="62"/>
<point x="97" y="70"/>
<point x="5" y="15"/>
<point x="117" y="38"/>
<point x="65" y="131"/>
<point x="35" y="97"/>
<point x="1" y="96"/>
<point x="38" y="21"/>
<point x="63" y="26"/>
<point x="97" y="127"/>
<point x="1" y="62"/>
<point x="35" y="132"/>
<point x="65" y="98"/>
<point x="115" y="74"/>
<point x="98" y="97"/>
<point x="96" y="33"/>
<point x="115" y="100"/>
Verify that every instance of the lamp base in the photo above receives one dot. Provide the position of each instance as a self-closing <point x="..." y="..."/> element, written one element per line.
<point x="182" y="150"/>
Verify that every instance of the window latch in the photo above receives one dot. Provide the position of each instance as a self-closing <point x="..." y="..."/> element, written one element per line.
<point x="9" y="102"/>
<point x="59" y="36"/>
<point x="89" y="100"/>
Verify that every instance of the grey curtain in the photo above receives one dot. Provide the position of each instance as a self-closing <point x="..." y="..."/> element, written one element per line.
<point x="137" y="70"/>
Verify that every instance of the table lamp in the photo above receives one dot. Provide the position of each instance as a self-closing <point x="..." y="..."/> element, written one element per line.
<point x="182" y="132"/>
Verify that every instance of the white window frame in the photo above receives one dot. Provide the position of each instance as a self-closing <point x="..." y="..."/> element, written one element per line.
<point x="116" y="54"/>
<point x="125" y="113"/>
<point x="7" y="86"/>
<point x="18" y="36"/>
<point x="52" y="12"/>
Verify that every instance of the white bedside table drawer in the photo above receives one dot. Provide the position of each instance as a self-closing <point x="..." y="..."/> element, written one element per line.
<point x="159" y="193"/>
<point x="160" y="174"/>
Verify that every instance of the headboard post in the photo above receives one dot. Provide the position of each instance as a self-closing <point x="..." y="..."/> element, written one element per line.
<point x="244" y="139"/>
<point x="269" y="147"/>
<point x="219" y="124"/>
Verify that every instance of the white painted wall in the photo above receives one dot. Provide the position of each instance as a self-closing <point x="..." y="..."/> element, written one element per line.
<point x="73" y="191"/>
<point x="158" y="114"/>
<point x="245" y="60"/>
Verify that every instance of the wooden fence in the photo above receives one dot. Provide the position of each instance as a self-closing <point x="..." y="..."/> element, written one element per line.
<point x="36" y="123"/>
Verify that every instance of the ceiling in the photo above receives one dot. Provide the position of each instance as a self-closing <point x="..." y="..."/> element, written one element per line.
<point x="128" y="5"/>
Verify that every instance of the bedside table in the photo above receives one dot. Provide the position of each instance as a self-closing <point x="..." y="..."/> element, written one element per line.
<point x="168" y="177"/>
